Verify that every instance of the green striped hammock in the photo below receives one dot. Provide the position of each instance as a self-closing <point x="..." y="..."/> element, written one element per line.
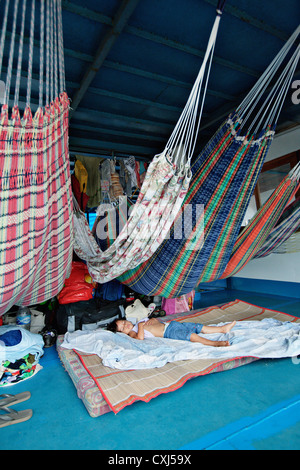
<point x="224" y="177"/>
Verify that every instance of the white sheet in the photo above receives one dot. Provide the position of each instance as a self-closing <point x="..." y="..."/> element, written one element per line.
<point x="268" y="338"/>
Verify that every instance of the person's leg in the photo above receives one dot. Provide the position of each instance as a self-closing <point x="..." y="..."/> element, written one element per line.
<point x="218" y="329"/>
<point x="178" y="330"/>
<point x="194" y="338"/>
<point x="190" y="332"/>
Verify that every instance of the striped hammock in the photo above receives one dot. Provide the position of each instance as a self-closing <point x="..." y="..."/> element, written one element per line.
<point x="290" y="244"/>
<point x="256" y="233"/>
<point x="288" y="224"/>
<point x="36" y="204"/>
<point x="224" y="177"/>
<point x="161" y="196"/>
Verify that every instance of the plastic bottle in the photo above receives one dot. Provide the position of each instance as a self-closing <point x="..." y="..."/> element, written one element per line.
<point x="24" y="317"/>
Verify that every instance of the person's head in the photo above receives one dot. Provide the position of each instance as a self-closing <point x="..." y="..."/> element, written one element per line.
<point x="120" y="325"/>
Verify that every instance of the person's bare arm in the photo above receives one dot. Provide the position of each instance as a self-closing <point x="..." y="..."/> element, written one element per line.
<point x="140" y="333"/>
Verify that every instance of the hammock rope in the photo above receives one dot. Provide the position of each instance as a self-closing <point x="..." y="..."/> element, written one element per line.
<point x="224" y="178"/>
<point x="250" y="102"/>
<point x="161" y="196"/>
<point x="36" y="210"/>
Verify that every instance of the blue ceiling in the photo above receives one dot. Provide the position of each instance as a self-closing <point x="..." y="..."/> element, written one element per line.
<point x="130" y="66"/>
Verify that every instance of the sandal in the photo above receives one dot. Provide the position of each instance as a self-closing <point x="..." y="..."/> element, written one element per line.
<point x="13" y="417"/>
<point x="157" y="313"/>
<point x="8" y="399"/>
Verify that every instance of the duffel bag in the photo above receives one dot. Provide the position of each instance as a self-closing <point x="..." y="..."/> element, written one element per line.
<point x="88" y="315"/>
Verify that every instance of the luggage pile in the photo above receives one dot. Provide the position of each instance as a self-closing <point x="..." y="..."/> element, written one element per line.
<point x="85" y="305"/>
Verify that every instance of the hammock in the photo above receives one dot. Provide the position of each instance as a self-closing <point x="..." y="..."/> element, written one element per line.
<point x="224" y="177"/>
<point x="290" y="245"/>
<point x="257" y="231"/>
<point x="36" y="204"/>
<point x="287" y="225"/>
<point x="161" y="195"/>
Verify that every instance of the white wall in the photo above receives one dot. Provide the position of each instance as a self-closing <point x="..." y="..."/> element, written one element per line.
<point x="277" y="267"/>
<point x="284" y="143"/>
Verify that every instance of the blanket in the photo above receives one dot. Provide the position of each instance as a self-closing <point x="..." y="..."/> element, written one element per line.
<point x="268" y="338"/>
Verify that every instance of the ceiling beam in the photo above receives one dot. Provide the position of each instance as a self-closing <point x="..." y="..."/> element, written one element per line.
<point x="97" y="146"/>
<point x="125" y="68"/>
<point x="229" y="9"/>
<point x="162" y="78"/>
<point x="134" y="99"/>
<point x="116" y="132"/>
<point x="129" y="123"/>
<point x="105" y="156"/>
<point x="139" y="32"/>
<point x="233" y="11"/>
<point x="119" y="22"/>
<point x="249" y="19"/>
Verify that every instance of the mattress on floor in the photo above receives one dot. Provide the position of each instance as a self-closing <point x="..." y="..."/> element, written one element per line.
<point x="87" y="389"/>
<point x="103" y="389"/>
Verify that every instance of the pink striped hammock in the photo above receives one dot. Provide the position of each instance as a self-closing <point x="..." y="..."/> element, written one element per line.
<point x="36" y="205"/>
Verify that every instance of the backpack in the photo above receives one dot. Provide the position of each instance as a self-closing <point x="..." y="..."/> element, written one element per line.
<point x="88" y="315"/>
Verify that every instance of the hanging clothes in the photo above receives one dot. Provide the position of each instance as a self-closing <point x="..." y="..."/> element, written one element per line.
<point x="93" y="188"/>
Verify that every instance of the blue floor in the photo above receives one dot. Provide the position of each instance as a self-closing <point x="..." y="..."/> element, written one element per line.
<point x="252" y="407"/>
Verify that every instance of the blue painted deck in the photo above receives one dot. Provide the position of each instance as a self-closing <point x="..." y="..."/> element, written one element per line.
<point x="256" y="406"/>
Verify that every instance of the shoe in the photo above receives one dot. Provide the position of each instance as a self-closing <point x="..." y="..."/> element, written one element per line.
<point x="10" y="400"/>
<point x="13" y="416"/>
<point x="151" y="309"/>
<point x="49" y="336"/>
<point x="157" y="313"/>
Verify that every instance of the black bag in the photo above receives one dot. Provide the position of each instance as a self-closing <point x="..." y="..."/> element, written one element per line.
<point x="88" y="314"/>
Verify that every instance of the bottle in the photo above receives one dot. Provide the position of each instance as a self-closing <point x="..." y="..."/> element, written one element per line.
<point x="24" y="317"/>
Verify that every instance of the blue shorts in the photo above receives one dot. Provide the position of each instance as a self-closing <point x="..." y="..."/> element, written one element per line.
<point x="182" y="331"/>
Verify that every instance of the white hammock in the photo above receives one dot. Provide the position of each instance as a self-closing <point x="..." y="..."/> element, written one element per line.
<point x="161" y="196"/>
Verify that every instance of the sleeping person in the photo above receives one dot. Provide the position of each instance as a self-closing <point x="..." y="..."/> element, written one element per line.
<point x="186" y="331"/>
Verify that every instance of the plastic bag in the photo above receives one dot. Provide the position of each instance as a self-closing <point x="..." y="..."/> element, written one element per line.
<point x="136" y="311"/>
<point x="79" y="286"/>
<point x="181" y="304"/>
